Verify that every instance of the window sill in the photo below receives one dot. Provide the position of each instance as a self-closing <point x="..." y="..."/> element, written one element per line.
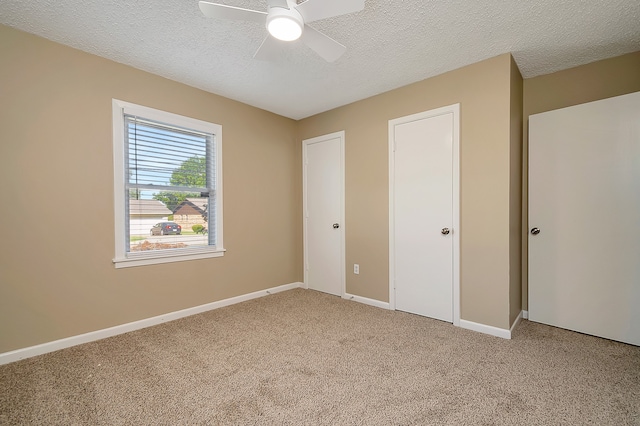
<point x="143" y="259"/>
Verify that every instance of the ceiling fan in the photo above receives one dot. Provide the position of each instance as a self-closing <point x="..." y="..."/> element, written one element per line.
<point x="287" y="21"/>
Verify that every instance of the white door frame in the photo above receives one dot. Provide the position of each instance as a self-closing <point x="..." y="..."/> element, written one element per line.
<point x="305" y="213"/>
<point x="451" y="109"/>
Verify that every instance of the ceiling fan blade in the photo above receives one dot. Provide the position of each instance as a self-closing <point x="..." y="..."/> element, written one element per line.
<point x="322" y="44"/>
<point x="268" y="49"/>
<point x="215" y="10"/>
<point x="314" y="10"/>
<point x="278" y="3"/>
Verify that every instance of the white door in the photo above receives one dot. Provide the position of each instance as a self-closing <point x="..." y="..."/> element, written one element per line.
<point x="324" y="213"/>
<point x="423" y="213"/>
<point x="584" y="218"/>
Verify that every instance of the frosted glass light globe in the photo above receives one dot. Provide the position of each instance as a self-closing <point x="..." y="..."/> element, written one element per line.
<point x="284" y="28"/>
<point x="285" y="24"/>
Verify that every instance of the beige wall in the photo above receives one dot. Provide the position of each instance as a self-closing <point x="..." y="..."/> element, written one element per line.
<point x="58" y="280"/>
<point x="586" y="83"/>
<point x="483" y="91"/>
<point x="515" y="195"/>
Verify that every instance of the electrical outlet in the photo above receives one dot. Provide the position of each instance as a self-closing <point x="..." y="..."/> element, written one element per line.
<point x="356" y="268"/>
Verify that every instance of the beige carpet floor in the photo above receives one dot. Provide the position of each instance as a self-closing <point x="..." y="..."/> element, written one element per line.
<point x="306" y="358"/>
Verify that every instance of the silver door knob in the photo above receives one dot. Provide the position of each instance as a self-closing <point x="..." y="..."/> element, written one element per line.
<point x="336" y="225"/>
<point x="535" y="231"/>
<point x="445" y="231"/>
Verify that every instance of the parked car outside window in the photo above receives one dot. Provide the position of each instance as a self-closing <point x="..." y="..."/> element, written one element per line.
<point x="166" y="228"/>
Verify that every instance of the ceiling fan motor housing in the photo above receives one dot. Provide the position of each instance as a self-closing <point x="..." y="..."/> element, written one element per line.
<point x="285" y="24"/>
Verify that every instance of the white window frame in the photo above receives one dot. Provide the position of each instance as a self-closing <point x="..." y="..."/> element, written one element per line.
<point x="124" y="259"/>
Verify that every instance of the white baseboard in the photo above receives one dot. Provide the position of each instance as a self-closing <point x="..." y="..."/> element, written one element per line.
<point x="366" y="301"/>
<point x="515" y="323"/>
<point x="486" y="329"/>
<point x="44" y="348"/>
<point x="494" y="331"/>
<point x="469" y="325"/>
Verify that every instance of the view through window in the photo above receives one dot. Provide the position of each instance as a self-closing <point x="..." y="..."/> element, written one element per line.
<point x="168" y="186"/>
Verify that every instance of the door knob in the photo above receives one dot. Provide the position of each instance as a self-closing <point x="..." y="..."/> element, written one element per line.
<point x="336" y="225"/>
<point x="535" y="231"/>
<point x="445" y="231"/>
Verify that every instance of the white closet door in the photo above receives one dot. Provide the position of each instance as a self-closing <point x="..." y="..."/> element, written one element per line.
<point x="584" y="199"/>
<point x="324" y="213"/>
<point x="422" y="207"/>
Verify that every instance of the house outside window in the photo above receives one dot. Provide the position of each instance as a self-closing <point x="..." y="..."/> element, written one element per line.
<point x="162" y="163"/>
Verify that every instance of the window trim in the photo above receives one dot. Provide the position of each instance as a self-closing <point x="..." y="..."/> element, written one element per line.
<point x="124" y="259"/>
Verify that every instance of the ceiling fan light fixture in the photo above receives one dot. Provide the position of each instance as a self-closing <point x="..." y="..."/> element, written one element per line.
<point x="285" y="24"/>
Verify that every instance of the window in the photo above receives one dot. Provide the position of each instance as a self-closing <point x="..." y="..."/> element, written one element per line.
<point x="164" y="162"/>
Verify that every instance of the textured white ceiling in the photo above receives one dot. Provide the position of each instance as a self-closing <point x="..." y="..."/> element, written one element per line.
<point x="389" y="44"/>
